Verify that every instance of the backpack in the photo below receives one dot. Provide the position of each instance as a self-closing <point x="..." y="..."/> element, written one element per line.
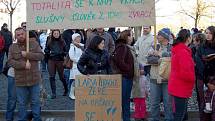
<point x="2" y="42"/>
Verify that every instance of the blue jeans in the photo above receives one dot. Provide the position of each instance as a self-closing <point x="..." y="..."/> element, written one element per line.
<point x="1" y="60"/>
<point x="43" y="65"/>
<point x="11" y="100"/>
<point x="24" y="95"/>
<point x="66" y="76"/>
<point x="126" y="94"/>
<point x="156" y="92"/>
<point x="180" y="108"/>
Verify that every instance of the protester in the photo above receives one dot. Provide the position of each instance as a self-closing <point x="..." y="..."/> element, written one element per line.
<point x="113" y="34"/>
<point x="181" y="82"/>
<point x="8" y="40"/>
<point x="27" y="74"/>
<point x="11" y="95"/>
<point x="158" y="85"/>
<point x="206" y="75"/>
<point x="118" y="32"/>
<point x="109" y="42"/>
<point x="94" y="60"/>
<point x="2" y="45"/>
<point x="88" y="33"/>
<point x="23" y="25"/>
<point x="55" y="52"/>
<point x="125" y="63"/>
<point x="75" y="53"/>
<point x="198" y="40"/>
<point x="43" y="39"/>
<point x="142" y="46"/>
<point x="7" y="37"/>
<point x="140" y="91"/>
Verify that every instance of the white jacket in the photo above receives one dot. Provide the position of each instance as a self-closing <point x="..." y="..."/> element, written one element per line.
<point x="43" y="39"/>
<point x="74" y="54"/>
<point x="142" y="46"/>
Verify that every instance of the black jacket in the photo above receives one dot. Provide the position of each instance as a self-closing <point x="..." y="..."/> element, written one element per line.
<point x="55" y="50"/>
<point x="204" y="68"/>
<point x="7" y="37"/>
<point x="94" y="62"/>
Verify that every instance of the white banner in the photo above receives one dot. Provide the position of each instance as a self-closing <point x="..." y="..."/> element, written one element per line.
<point x="77" y="14"/>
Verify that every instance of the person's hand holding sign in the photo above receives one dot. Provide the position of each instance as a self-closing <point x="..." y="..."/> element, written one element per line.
<point x="24" y="54"/>
<point x="27" y="65"/>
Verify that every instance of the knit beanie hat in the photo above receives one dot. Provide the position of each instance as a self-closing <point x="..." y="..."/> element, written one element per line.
<point x="165" y="32"/>
<point x="75" y="35"/>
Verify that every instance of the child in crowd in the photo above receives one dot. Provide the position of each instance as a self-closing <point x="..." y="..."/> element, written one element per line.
<point x="140" y="102"/>
<point x="209" y="97"/>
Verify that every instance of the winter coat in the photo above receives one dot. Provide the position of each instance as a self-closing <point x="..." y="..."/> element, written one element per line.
<point x="43" y="39"/>
<point x="124" y="60"/>
<point x="142" y="47"/>
<point x="94" y="62"/>
<point x="74" y="54"/>
<point x="7" y="38"/>
<point x="137" y="87"/>
<point x="26" y="77"/>
<point x="55" y="50"/>
<point x="207" y="68"/>
<point x="182" y="76"/>
<point x="164" y="51"/>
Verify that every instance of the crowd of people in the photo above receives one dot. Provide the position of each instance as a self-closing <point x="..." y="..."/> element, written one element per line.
<point x="165" y="71"/>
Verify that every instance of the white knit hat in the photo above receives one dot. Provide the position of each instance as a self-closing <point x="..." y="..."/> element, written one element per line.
<point x="75" y="35"/>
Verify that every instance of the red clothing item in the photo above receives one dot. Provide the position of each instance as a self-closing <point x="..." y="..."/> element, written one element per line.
<point x="140" y="108"/>
<point x="182" y="76"/>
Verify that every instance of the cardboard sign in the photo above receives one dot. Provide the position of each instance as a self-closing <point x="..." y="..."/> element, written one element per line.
<point x="77" y="14"/>
<point x="98" y="98"/>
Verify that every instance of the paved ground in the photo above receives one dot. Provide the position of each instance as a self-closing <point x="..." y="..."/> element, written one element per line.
<point x="69" y="116"/>
<point x="62" y="103"/>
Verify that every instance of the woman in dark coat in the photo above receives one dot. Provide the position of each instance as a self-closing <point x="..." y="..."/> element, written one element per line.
<point x="206" y="75"/>
<point x="55" y="52"/>
<point x="94" y="60"/>
<point x="124" y="61"/>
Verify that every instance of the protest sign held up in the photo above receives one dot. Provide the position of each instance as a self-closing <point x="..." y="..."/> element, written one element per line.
<point x="77" y="14"/>
<point x="98" y="98"/>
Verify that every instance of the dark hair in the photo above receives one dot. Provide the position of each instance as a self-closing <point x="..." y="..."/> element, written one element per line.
<point x="200" y="37"/>
<point x="111" y="29"/>
<point x="32" y="34"/>
<point x="95" y="42"/>
<point x="182" y="37"/>
<point x="123" y="37"/>
<point x="52" y="37"/>
<point x="212" y="31"/>
<point x="23" y="23"/>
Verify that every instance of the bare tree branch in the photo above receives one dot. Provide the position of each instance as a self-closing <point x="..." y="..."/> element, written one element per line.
<point x="5" y="2"/>
<point x="184" y="12"/>
<point x="11" y="6"/>
<point x="200" y="9"/>
<point x="16" y="4"/>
